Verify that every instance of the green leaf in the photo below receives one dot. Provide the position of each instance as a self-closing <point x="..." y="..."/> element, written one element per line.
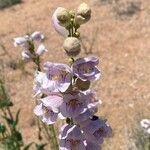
<point x="5" y="103"/>
<point x="9" y="121"/>
<point x="40" y="146"/>
<point x="2" y="128"/>
<point x="17" y="136"/>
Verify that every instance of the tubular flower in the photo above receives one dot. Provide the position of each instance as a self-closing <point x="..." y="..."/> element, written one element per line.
<point x="85" y="68"/>
<point x="42" y="85"/>
<point x="37" y="36"/>
<point x="59" y="74"/>
<point x="27" y="42"/>
<point x="96" y="130"/>
<point x="73" y="105"/>
<point x="71" y="138"/>
<point x="91" y="146"/>
<point x="41" y="50"/>
<point x="48" y="109"/>
<point x="92" y="102"/>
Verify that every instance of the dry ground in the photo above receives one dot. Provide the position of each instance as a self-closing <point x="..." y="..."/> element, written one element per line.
<point x="122" y="43"/>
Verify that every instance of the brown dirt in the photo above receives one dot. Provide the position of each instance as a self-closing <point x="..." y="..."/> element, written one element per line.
<point x="122" y="43"/>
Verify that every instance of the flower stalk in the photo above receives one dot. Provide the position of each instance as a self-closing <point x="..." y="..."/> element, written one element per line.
<point x="63" y="90"/>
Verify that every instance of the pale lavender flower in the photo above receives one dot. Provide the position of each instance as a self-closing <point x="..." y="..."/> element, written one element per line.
<point x="42" y="85"/>
<point x="37" y="36"/>
<point x="27" y="42"/>
<point x="48" y="109"/>
<point x="96" y="130"/>
<point x="71" y="138"/>
<point x="21" y="41"/>
<point x="85" y="115"/>
<point x="26" y="55"/>
<point x="59" y="74"/>
<point x="91" y="146"/>
<point x="85" y="68"/>
<point x="41" y="50"/>
<point x="92" y="101"/>
<point x="73" y="105"/>
<point x="60" y="29"/>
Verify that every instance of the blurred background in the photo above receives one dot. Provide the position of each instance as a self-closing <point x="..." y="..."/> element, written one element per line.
<point x="118" y="33"/>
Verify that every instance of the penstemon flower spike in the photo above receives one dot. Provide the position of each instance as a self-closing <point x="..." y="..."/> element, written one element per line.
<point x="64" y="90"/>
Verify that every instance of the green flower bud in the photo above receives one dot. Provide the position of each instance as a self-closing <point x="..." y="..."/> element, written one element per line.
<point x="83" y="14"/>
<point x="63" y="16"/>
<point x="82" y="85"/>
<point x="72" y="46"/>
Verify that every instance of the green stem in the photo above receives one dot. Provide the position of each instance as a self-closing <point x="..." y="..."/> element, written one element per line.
<point x="50" y="130"/>
<point x="53" y="139"/>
